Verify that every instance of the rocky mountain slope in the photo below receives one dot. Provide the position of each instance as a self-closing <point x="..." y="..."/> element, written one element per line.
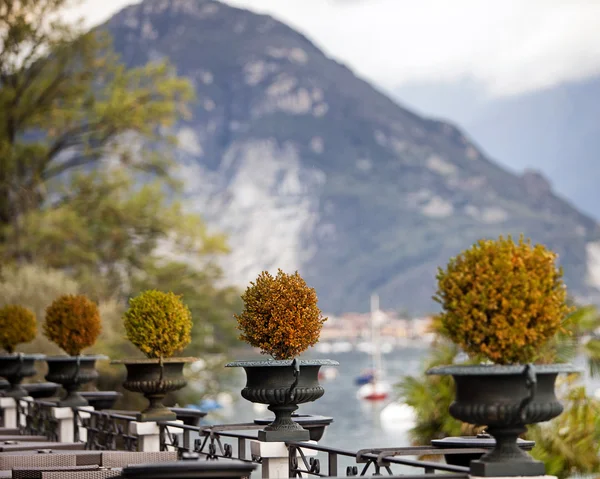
<point x="308" y="167"/>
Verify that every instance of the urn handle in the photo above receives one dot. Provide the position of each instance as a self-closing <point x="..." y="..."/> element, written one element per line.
<point x="296" y="372"/>
<point x="531" y="384"/>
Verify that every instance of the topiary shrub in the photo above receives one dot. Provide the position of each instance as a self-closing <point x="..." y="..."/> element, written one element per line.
<point x="73" y="323"/>
<point x="17" y="325"/>
<point x="158" y="323"/>
<point x="502" y="300"/>
<point x="280" y="315"/>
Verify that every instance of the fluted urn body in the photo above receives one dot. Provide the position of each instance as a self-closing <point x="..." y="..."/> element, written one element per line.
<point x="506" y="399"/>
<point x="16" y="367"/>
<point x="283" y="385"/>
<point x="71" y="372"/>
<point x="155" y="379"/>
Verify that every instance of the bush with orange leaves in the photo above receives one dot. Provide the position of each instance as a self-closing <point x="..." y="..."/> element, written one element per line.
<point x="17" y="325"/>
<point x="502" y="300"/>
<point x="73" y="323"/>
<point x="280" y="315"/>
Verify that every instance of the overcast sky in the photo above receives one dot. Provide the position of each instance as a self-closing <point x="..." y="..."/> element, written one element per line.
<point x="507" y="46"/>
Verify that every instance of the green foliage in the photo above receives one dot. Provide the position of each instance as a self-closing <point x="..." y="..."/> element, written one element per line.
<point x="17" y="325"/>
<point x="158" y="323"/>
<point x="280" y="315"/>
<point x="73" y="323"/>
<point x="66" y="101"/>
<point x="502" y="300"/>
<point x="109" y="229"/>
<point x="569" y="445"/>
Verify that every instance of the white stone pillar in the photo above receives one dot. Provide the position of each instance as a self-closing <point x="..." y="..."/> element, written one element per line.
<point x="148" y="434"/>
<point x="9" y="412"/>
<point x="66" y="423"/>
<point x="275" y="458"/>
<point x="83" y="414"/>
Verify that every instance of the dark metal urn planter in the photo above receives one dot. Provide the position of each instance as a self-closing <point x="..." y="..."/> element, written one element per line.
<point x="481" y="441"/>
<point x="190" y="468"/>
<point x="16" y="367"/>
<point x="283" y="384"/>
<point x="71" y="372"/>
<point x="101" y="400"/>
<point x="506" y="399"/>
<point x="155" y="379"/>
<point x="315" y="425"/>
<point x="41" y="390"/>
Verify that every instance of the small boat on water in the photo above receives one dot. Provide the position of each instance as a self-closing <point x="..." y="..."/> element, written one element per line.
<point x="365" y="377"/>
<point x="373" y="387"/>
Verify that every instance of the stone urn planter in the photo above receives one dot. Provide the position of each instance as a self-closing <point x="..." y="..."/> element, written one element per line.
<point x="283" y="385"/>
<point x="101" y="400"/>
<point x="155" y="379"/>
<point x="191" y="467"/>
<point x="481" y="441"/>
<point x="315" y="425"/>
<point x="505" y="399"/>
<point x="16" y="367"/>
<point x="41" y="390"/>
<point x="71" y="372"/>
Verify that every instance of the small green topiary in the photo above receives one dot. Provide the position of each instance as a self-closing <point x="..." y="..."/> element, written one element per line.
<point x="280" y="315"/>
<point x="73" y="323"/>
<point x="158" y="323"/>
<point x="17" y="325"/>
<point x="502" y="300"/>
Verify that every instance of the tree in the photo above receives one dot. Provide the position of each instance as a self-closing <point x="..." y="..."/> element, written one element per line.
<point x="66" y="102"/>
<point x="108" y="229"/>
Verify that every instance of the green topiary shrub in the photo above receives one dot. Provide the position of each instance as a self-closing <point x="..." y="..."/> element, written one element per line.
<point x="17" y="325"/>
<point x="280" y="315"/>
<point x="73" y="323"/>
<point x="158" y="323"/>
<point x="502" y="300"/>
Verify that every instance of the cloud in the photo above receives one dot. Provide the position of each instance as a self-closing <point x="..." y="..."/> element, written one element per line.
<point x="507" y="46"/>
<point x="510" y="46"/>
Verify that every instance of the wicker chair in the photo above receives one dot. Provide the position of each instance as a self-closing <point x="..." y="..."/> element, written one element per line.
<point x="8" y="462"/>
<point x="99" y="474"/>
<point x="124" y="458"/>
<point x="36" y="472"/>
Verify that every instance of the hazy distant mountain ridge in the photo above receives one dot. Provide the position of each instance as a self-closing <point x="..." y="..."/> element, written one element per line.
<point x="308" y="167"/>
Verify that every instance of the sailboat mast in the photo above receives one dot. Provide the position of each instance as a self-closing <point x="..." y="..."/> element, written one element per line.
<point x="377" y="365"/>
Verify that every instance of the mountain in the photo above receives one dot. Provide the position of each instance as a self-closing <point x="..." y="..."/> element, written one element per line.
<point x="555" y="130"/>
<point x="308" y="167"/>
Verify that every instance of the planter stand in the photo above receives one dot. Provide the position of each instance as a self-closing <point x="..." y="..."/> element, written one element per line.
<point x="155" y="379"/>
<point x="283" y="384"/>
<point x="16" y="367"/>
<point x="505" y="399"/>
<point x="71" y="372"/>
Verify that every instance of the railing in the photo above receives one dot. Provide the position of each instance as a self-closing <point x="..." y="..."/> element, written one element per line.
<point x="36" y="418"/>
<point x="109" y="430"/>
<point x="210" y="442"/>
<point x="106" y="431"/>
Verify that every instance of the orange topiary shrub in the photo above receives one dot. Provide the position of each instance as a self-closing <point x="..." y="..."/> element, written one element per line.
<point x="280" y="315"/>
<point x="17" y="325"/>
<point x="73" y="323"/>
<point x="502" y="300"/>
